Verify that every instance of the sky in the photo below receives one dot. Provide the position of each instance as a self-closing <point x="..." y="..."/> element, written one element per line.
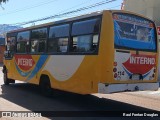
<point x="18" y="11"/>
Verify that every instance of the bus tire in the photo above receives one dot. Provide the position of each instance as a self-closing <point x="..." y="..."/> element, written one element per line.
<point x="5" y="78"/>
<point x="45" y="86"/>
<point x="11" y="81"/>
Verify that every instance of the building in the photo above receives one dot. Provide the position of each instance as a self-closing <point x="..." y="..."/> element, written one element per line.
<point x="2" y="49"/>
<point x="148" y="8"/>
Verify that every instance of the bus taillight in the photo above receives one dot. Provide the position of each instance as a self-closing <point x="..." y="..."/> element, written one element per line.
<point x="115" y="75"/>
<point x="114" y="69"/>
<point x="115" y="63"/>
<point x="154" y="70"/>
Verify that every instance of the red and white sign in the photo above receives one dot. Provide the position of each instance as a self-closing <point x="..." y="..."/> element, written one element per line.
<point x="140" y="64"/>
<point x="24" y="62"/>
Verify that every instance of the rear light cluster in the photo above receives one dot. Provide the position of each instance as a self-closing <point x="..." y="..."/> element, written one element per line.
<point x="114" y="69"/>
<point x="154" y="71"/>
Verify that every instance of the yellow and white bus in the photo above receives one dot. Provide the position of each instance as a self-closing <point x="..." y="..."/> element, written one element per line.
<point x="101" y="52"/>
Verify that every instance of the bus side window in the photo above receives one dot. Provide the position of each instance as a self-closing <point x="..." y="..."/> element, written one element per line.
<point x="23" y="42"/>
<point x="11" y="43"/>
<point x="58" y="39"/>
<point x="86" y="43"/>
<point x="85" y="35"/>
<point x="34" y="46"/>
<point x="38" y="40"/>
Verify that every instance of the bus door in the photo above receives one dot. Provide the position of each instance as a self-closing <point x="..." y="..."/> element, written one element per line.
<point x="135" y="48"/>
<point x="9" y="54"/>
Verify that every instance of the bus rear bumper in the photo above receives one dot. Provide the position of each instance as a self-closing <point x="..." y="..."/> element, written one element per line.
<point x="111" y="88"/>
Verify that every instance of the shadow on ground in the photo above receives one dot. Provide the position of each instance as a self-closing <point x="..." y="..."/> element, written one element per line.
<point x="29" y="97"/>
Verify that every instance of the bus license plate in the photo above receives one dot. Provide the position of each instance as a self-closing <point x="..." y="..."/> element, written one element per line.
<point x="135" y="77"/>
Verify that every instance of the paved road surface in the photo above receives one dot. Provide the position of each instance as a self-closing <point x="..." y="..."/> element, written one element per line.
<point x="26" y="97"/>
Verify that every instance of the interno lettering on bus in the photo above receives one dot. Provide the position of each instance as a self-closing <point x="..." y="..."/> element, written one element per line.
<point x="141" y="64"/>
<point x="142" y="60"/>
<point x="25" y="62"/>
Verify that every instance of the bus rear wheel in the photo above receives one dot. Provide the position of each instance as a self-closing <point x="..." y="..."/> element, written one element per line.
<point x="45" y="86"/>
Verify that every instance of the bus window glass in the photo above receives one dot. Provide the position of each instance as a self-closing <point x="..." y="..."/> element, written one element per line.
<point x="41" y="46"/>
<point x="86" y="27"/>
<point x="34" y="46"/>
<point x="23" y="42"/>
<point x="22" y="47"/>
<point x="85" y="35"/>
<point x="58" y="38"/>
<point x="86" y="43"/>
<point x="58" y="45"/>
<point x="59" y="31"/>
<point x="23" y="36"/>
<point x="39" y="33"/>
<point x="132" y="31"/>
<point x="38" y="40"/>
<point x="63" y="43"/>
<point x="11" y="43"/>
<point x="95" y="42"/>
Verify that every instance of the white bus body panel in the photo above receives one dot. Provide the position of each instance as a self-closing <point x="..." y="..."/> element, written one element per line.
<point x="103" y="88"/>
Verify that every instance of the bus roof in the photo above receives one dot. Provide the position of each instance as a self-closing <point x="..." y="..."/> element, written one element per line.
<point x="74" y="19"/>
<point x="59" y="21"/>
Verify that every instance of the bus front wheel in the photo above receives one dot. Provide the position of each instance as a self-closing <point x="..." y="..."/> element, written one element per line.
<point x="45" y="86"/>
<point x="5" y="78"/>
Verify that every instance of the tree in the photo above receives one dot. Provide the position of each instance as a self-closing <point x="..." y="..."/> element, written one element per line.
<point x="3" y="1"/>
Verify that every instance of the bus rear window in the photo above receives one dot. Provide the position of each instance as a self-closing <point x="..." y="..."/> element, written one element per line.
<point x="134" y="32"/>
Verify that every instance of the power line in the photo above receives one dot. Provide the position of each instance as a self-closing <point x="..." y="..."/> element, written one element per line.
<point x="37" y="5"/>
<point x="67" y="13"/>
<point x="98" y="10"/>
<point x="29" y="7"/>
<point x="75" y="6"/>
<point x="83" y="13"/>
